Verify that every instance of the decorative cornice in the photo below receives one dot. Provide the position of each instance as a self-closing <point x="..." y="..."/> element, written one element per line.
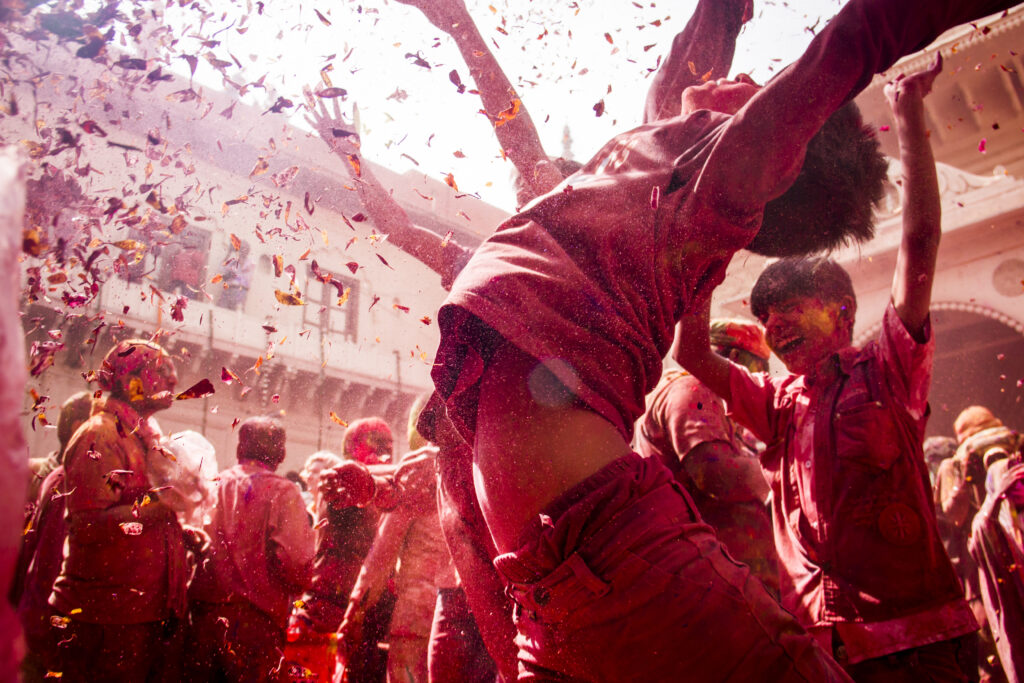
<point x="954" y="183"/>
<point x="960" y="306"/>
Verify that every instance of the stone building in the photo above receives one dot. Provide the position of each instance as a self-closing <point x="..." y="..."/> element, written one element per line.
<point x="232" y="205"/>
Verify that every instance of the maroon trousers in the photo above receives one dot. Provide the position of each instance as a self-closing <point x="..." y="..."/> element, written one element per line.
<point x="620" y="580"/>
<point x="108" y="653"/>
<point x="233" y="641"/>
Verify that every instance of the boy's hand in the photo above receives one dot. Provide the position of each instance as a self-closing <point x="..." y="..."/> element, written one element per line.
<point x="908" y="91"/>
<point x="444" y="14"/>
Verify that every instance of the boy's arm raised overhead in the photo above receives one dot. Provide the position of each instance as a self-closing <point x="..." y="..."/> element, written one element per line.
<point x="691" y="348"/>
<point x="922" y="215"/>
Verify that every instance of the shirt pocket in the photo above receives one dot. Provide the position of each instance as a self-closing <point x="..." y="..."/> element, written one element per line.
<point x="866" y="435"/>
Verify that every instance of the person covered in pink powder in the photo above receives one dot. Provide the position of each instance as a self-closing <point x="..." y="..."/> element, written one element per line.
<point x="997" y="546"/>
<point x="259" y="561"/>
<point x="711" y="456"/>
<point x="555" y="331"/>
<point x="120" y="594"/>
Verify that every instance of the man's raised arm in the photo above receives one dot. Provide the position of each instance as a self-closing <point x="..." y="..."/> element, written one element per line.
<point x="441" y="255"/>
<point x="702" y="51"/>
<point x="691" y="348"/>
<point x="512" y="123"/>
<point x="865" y="38"/>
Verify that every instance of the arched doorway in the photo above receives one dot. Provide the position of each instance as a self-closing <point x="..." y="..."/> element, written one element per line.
<point x="979" y="359"/>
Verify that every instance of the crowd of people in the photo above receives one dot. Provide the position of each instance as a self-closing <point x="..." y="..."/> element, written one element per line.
<point x="566" y="510"/>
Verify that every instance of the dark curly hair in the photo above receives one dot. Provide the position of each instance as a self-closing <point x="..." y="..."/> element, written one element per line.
<point x="789" y="278"/>
<point x="832" y="201"/>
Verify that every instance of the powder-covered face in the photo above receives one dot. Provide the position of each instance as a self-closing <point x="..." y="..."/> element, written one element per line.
<point x="141" y="374"/>
<point x="805" y="331"/>
<point x="153" y="388"/>
<point x="723" y="95"/>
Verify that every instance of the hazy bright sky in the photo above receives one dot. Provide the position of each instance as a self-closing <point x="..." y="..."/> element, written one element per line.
<point x="555" y="52"/>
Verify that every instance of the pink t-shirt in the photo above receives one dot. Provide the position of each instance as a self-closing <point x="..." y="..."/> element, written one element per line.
<point x="591" y="277"/>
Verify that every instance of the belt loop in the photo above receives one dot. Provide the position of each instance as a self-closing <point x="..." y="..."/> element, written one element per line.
<point x="588" y="578"/>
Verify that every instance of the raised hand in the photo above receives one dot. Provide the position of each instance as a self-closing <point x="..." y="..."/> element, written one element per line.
<point x="341" y="137"/>
<point x="904" y="91"/>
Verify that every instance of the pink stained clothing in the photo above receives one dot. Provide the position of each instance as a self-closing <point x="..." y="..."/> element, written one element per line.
<point x="591" y="278"/>
<point x="121" y="566"/>
<point x="42" y="555"/>
<point x="343" y="539"/>
<point x="424" y="564"/>
<point x="996" y="546"/>
<point x="851" y="501"/>
<point x="261" y="543"/>
<point x="574" y="286"/>
<point x="620" y="580"/>
<point x="684" y="414"/>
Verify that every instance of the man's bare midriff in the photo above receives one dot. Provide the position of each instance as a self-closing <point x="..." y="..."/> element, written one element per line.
<point x="529" y="448"/>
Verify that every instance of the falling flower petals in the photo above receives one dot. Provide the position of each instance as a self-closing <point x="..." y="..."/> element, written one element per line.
<point x="200" y="389"/>
<point x="288" y="299"/>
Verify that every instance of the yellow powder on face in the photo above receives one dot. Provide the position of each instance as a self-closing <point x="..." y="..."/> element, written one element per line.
<point x="820" y="319"/>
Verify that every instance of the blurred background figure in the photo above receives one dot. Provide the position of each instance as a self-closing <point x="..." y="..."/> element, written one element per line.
<point x="368" y="441"/>
<point x="408" y="550"/>
<point x="186" y="476"/>
<point x="712" y="457"/>
<point x="937" y="449"/>
<point x="260" y="559"/>
<point x="959" y="492"/>
<point x="73" y="412"/>
<point x="42" y="545"/>
<point x="237" y="276"/>
<point x="997" y="547"/>
<point x="342" y="497"/>
<point x="315" y="464"/>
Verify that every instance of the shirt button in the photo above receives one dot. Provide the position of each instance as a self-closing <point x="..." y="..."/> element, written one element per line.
<point x="807" y="464"/>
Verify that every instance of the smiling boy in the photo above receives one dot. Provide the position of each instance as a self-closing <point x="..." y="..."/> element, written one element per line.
<point x="862" y="565"/>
